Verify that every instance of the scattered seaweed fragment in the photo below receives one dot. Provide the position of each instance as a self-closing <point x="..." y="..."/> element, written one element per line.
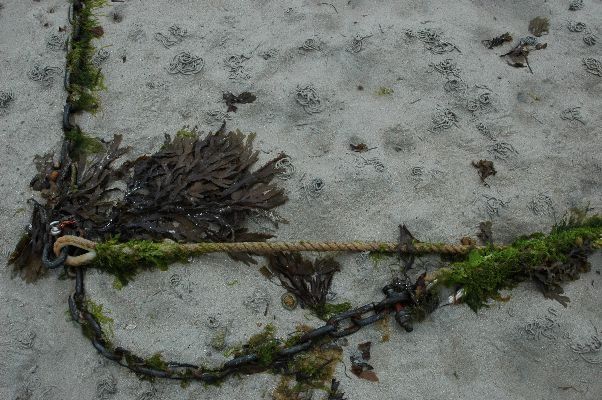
<point x="497" y="41"/>
<point x="243" y="98"/>
<point x="539" y="26"/>
<point x="359" y="364"/>
<point x="547" y="260"/>
<point x="309" y="371"/>
<point x="196" y="188"/>
<point x="485" y="168"/>
<point x="308" y="281"/>
<point x="518" y="57"/>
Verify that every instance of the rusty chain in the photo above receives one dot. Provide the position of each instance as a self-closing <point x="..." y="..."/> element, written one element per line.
<point x="399" y="297"/>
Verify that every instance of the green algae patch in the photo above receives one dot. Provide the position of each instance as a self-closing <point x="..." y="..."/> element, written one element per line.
<point x="85" y="78"/>
<point x="83" y="144"/>
<point x="125" y="260"/>
<point x="546" y="259"/>
<point x="265" y="345"/>
<point x="307" y="371"/>
<point x="100" y="315"/>
<point x="384" y="91"/>
<point x="327" y="310"/>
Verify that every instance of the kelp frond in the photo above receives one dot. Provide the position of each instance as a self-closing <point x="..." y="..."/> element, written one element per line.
<point x="309" y="281"/>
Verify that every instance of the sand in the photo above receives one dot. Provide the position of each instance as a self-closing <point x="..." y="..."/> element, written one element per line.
<point x="419" y="173"/>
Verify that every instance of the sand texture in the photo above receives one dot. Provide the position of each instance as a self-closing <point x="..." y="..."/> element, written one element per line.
<point x="326" y="75"/>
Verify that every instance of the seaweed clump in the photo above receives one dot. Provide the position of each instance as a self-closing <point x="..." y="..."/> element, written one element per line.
<point x="307" y="371"/>
<point x="196" y="188"/>
<point x="308" y="281"/>
<point x="548" y="260"/>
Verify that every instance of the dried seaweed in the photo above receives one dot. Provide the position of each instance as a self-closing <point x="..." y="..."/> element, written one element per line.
<point x="335" y="393"/>
<point x="485" y="234"/>
<point x="193" y="189"/>
<point x="359" y="365"/>
<point x="520" y="52"/>
<point x="539" y="26"/>
<point x="485" y="168"/>
<point x="309" y="281"/>
<point x="497" y="41"/>
<point x="243" y="98"/>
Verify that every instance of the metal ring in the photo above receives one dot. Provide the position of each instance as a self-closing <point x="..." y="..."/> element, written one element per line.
<point x="235" y="362"/>
<point x="100" y="347"/>
<point x="73" y="308"/>
<point x="295" y="349"/>
<point x="70" y="13"/>
<point x="57" y="262"/>
<point x="66" y="78"/>
<point x="79" y="281"/>
<point x="67" y="126"/>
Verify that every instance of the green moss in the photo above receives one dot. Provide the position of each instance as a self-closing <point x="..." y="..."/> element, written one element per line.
<point x="378" y="256"/>
<point x="486" y="272"/>
<point x="187" y="133"/>
<point x="265" y="345"/>
<point x="82" y="144"/>
<point x="328" y="310"/>
<point x="384" y="91"/>
<point x="156" y="361"/>
<point x="312" y="370"/>
<point x="85" y="78"/>
<point x="105" y="322"/>
<point x="117" y="284"/>
<point x="125" y="260"/>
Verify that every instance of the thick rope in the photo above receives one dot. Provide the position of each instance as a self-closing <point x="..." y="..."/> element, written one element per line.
<point x="273" y="247"/>
<point x="276" y="247"/>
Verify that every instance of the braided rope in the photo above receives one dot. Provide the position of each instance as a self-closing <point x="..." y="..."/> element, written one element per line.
<point x="272" y="247"/>
<point x="276" y="247"/>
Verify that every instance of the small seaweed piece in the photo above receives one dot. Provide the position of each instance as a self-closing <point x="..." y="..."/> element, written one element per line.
<point x="359" y="147"/>
<point x="243" y="98"/>
<point x="539" y="26"/>
<point x="335" y="393"/>
<point x="497" y="41"/>
<point x="485" y="168"/>
<point x="309" y="281"/>
<point x="485" y="234"/>
<point x="520" y="52"/>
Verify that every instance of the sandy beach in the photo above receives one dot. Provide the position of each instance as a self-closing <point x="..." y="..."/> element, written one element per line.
<point x="411" y="80"/>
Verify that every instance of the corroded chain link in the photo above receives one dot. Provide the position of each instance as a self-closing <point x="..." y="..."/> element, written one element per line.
<point x="398" y="296"/>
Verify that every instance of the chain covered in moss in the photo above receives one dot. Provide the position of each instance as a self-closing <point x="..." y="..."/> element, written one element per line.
<point x="85" y="78"/>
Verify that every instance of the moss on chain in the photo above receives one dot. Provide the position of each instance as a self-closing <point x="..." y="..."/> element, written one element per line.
<point x="85" y="78"/>
<point x="485" y="272"/>
<point x="105" y="322"/>
<point x="327" y="310"/>
<point x="82" y="144"/>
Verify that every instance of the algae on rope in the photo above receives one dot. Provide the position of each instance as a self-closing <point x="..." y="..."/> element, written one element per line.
<point x="548" y="260"/>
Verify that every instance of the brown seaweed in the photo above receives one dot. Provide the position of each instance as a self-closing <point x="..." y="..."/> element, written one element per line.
<point x="243" y="98"/>
<point x="193" y="189"/>
<point x="485" y="169"/>
<point x="309" y="281"/>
